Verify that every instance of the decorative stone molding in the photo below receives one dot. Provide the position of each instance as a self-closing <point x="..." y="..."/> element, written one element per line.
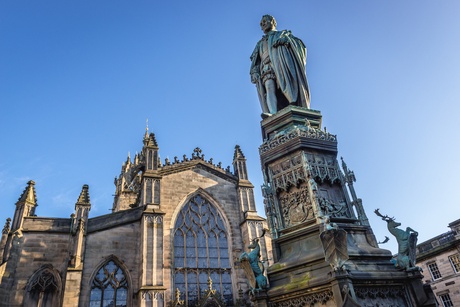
<point x="153" y="219"/>
<point x="384" y="292"/>
<point x="152" y="295"/>
<point x="324" y="167"/>
<point x="307" y="300"/>
<point x="256" y="224"/>
<point x="288" y="172"/>
<point x="293" y="132"/>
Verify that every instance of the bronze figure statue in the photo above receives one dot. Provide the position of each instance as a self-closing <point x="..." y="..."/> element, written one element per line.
<point x="407" y="242"/>
<point x="278" y="69"/>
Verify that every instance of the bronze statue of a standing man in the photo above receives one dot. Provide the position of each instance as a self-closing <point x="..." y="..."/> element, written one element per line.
<point x="278" y="69"/>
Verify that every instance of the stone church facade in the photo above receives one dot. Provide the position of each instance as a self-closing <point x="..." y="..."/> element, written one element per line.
<point x="175" y="234"/>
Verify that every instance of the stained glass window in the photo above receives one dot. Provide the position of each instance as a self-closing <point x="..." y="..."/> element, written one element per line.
<point x="201" y="251"/>
<point x="109" y="287"/>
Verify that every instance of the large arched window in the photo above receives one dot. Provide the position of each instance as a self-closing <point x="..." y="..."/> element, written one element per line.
<point x="109" y="287"/>
<point x="201" y="252"/>
<point x="44" y="288"/>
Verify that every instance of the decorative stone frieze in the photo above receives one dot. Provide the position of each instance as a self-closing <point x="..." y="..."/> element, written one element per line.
<point x="288" y="172"/>
<point x="381" y="296"/>
<point x="307" y="300"/>
<point x="153" y="219"/>
<point x="293" y="132"/>
<point x="152" y="295"/>
<point x="323" y="167"/>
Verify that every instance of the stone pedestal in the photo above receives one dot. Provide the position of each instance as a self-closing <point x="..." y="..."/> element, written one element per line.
<point x="325" y="251"/>
<point x="259" y="298"/>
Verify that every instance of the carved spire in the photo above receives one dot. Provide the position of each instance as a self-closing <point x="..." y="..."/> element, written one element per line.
<point x="83" y="199"/>
<point x="238" y="153"/>
<point x="149" y="139"/>
<point x="349" y="175"/>
<point x="146" y="135"/>
<point x="29" y="196"/>
<point x="349" y="179"/>
<point x="78" y="225"/>
<point x="239" y="164"/>
<point x="25" y="206"/>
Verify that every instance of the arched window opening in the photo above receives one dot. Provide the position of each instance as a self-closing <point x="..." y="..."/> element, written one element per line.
<point x="109" y="287"/>
<point x="201" y="252"/>
<point x="43" y="288"/>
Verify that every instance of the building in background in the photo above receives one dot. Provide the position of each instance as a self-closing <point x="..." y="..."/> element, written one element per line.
<point x="439" y="258"/>
<point x="174" y="236"/>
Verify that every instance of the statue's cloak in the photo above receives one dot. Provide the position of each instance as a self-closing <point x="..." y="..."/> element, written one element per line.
<point x="288" y="62"/>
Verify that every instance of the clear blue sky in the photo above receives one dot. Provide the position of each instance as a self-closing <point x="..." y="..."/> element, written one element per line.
<point x="78" y="79"/>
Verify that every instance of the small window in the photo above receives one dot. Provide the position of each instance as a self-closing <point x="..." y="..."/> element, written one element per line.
<point x="446" y="301"/>
<point x="455" y="261"/>
<point x="434" y="271"/>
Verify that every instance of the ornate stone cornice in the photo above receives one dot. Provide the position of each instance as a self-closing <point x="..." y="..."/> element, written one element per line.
<point x="293" y="132"/>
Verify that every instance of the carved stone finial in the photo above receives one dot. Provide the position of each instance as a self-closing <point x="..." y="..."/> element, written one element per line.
<point x="83" y="199"/>
<point x="177" y="301"/>
<point x="238" y="154"/>
<point x="209" y="283"/>
<point x="29" y="195"/>
<point x="197" y="153"/>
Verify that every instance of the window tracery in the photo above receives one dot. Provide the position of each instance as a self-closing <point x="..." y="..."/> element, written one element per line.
<point x="43" y="288"/>
<point x="109" y="287"/>
<point x="201" y="252"/>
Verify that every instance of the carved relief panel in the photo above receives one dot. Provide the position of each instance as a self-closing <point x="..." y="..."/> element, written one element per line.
<point x="331" y="201"/>
<point x="296" y="205"/>
<point x="288" y="192"/>
<point x="324" y="167"/>
<point x="290" y="171"/>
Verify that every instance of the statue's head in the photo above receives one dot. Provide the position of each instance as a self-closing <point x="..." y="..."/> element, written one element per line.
<point x="268" y="23"/>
